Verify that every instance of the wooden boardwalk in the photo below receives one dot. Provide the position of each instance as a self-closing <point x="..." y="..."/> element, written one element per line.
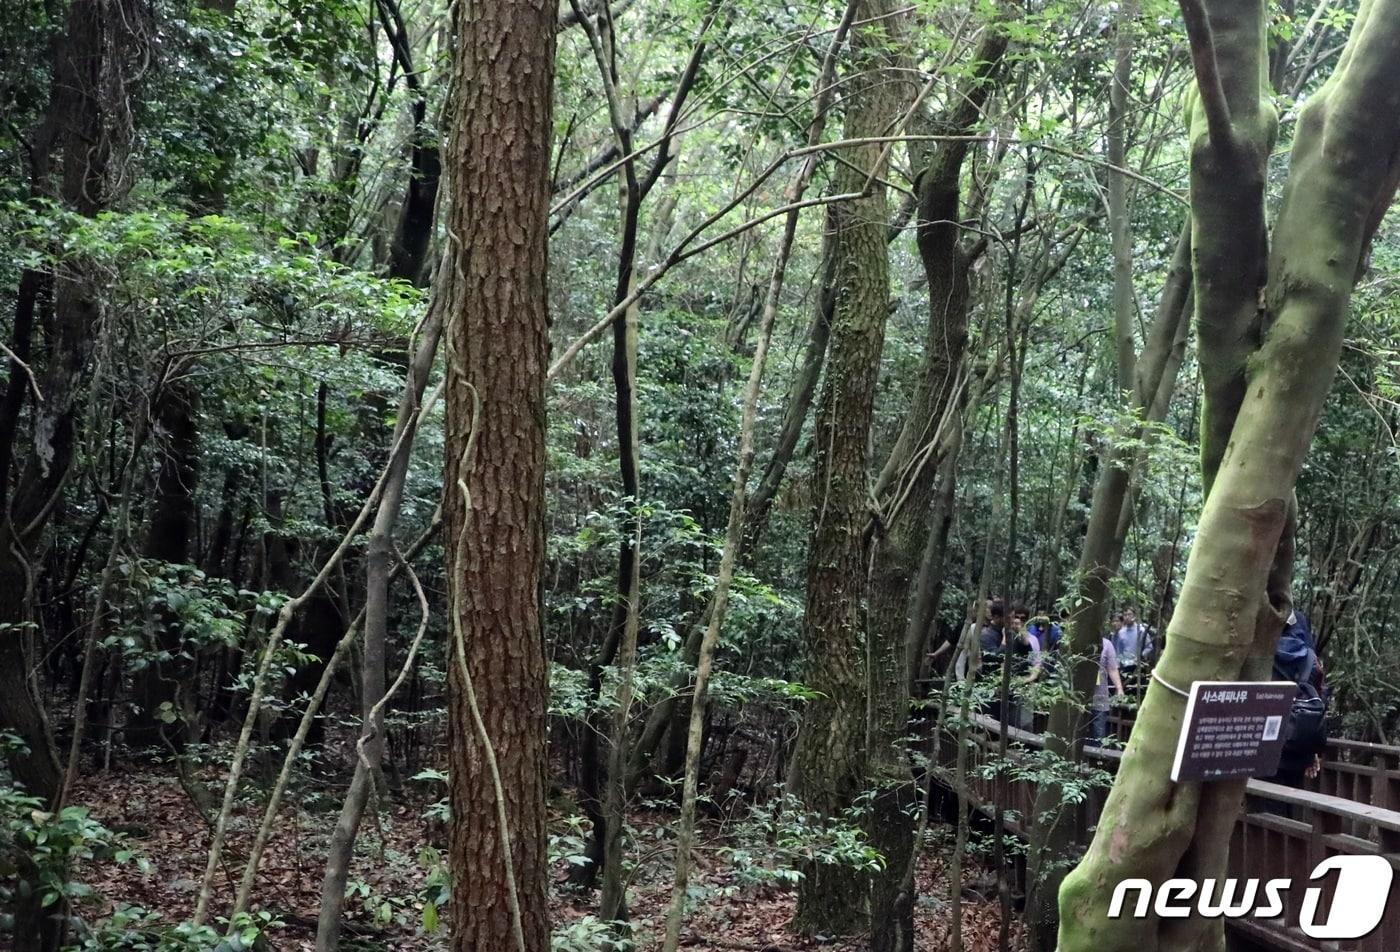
<point x="1352" y="807"/>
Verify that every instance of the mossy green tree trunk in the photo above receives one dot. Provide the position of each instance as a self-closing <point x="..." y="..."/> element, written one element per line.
<point x="1270" y="319"/>
<point x="894" y="619"/>
<point x="828" y="768"/>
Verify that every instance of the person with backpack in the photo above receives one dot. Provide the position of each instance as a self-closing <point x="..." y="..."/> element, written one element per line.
<point x="1305" y="731"/>
<point x="1133" y="642"/>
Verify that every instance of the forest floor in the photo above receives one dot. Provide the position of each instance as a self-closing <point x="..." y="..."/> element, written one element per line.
<point x="161" y="824"/>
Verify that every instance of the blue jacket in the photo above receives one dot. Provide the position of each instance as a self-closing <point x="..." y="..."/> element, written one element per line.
<point x="1048" y="641"/>
<point x="1296" y="653"/>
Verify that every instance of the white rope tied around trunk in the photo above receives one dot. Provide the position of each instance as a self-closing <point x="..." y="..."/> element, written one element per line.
<point x="1170" y="687"/>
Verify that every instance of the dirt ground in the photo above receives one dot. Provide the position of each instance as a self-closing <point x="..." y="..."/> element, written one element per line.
<point x="392" y="869"/>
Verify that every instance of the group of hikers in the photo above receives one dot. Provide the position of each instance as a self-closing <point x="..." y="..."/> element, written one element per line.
<point x="1032" y="644"/>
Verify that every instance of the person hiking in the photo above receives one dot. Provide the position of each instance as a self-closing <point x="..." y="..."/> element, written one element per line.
<point x="1133" y="642"/>
<point x="1305" y="731"/>
<point x="990" y="638"/>
<point x="1026" y="666"/>
<point x="1026" y="647"/>
<point x="1046" y="632"/>
<point x="1109" y="676"/>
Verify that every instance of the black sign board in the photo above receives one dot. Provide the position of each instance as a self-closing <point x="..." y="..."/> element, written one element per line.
<point x="1233" y="729"/>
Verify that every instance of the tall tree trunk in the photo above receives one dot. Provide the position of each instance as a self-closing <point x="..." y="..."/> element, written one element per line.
<point x="609" y="808"/>
<point x="799" y="402"/>
<point x="168" y="539"/>
<point x="1271" y="332"/>
<point x="408" y="251"/>
<point x="35" y="288"/>
<point x="827" y="766"/>
<point x="734" y="528"/>
<point x="622" y="623"/>
<point x="1052" y="841"/>
<point x="613" y="903"/>
<point x="1138" y="381"/>
<point x="88" y="121"/>
<point x="117" y="546"/>
<point x="908" y="519"/>
<point x="927" y="593"/>
<point x="605" y="809"/>
<point x="498" y="350"/>
<point x="413" y="232"/>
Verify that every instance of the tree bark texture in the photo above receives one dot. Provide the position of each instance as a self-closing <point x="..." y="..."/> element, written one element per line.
<point x="498" y="350"/>
<point x="1342" y="177"/>
<point x="908" y="518"/>
<point x="827" y="769"/>
<point x="799" y="403"/>
<point x="88" y="125"/>
<point x="379" y="565"/>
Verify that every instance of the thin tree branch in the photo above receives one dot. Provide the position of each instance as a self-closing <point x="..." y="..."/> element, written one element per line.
<point x="1208" y="84"/>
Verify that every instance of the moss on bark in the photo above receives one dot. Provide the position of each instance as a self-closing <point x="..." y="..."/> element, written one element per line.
<point x="1342" y="176"/>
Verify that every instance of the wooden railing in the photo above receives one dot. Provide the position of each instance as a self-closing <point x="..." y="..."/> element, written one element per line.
<point x="1283" y="833"/>
<point x="1351" y="769"/>
<point x="1361" y="772"/>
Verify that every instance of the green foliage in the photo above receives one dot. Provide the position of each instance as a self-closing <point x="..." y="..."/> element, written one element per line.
<point x="588" y="934"/>
<point x="203" y="612"/>
<point x="772" y="842"/>
<point x="134" y="929"/>
<point x="568" y="842"/>
<point x="436" y="889"/>
<point x="39" y="846"/>
<point x="246" y="263"/>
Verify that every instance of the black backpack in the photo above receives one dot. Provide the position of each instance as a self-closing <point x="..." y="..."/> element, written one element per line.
<point x="1306" y="730"/>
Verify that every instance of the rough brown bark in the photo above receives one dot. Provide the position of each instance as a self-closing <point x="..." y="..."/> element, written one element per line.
<point x="498" y="350"/>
